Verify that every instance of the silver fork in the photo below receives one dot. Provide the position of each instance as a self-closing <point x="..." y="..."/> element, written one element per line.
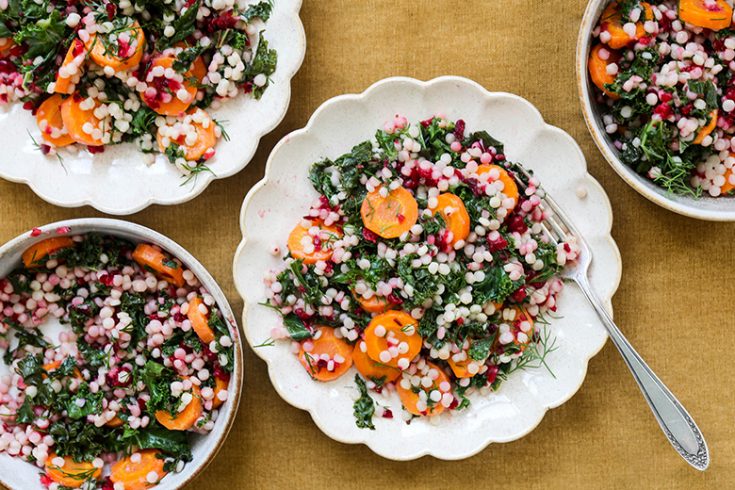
<point x="676" y="423"/>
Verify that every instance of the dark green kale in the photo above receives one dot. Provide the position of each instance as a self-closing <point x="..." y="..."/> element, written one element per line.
<point x="364" y="407"/>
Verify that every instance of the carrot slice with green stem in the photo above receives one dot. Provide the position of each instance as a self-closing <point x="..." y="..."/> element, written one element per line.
<point x="322" y="242"/>
<point x="65" y="85"/>
<point x="48" y="118"/>
<point x="371" y="369"/>
<point x="38" y="252"/>
<point x="149" y="256"/>
<point x="710" y="14"/>
<point x="392" y="215"/>
<point x="326" y="342"/>
<point x="122" y="56"/>
<point x="76" y="119"/>
<point x="185" y="419"/>
<point x="392" y="338"/>
<point x="71" y="474"/>
<point x="199" y="320"/>
<point x="510" y="188"/>
<point x="454" y="213"/>
<point x="206" y="136"/>
<point x="410" y="397"/>
<point x="133" y="475"/>
<point x="597" y="67"/>
<point x="707" y="128"/>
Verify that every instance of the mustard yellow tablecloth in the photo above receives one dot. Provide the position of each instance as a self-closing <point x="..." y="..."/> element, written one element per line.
<point x="676" y="301"/>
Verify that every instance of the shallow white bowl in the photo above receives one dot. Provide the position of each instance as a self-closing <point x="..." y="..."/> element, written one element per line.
<point x="706" y="207"/>
<point x="119" y="181"/>
<point x="17" y="474"/>
<point x="273" y="206"/>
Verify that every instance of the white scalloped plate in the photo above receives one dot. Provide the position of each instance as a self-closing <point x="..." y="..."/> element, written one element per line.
<point x="119" y="181"/>
<point x="281" y="198"/>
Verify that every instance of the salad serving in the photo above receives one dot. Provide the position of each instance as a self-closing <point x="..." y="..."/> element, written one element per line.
<point x="140" y="366"/>
<point x="103" y="72"/>
<point x="424" y="264"/>
<point x="664" y="74"/>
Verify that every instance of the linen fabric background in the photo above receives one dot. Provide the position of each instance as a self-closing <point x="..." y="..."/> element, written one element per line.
<point x="675" y="301"/>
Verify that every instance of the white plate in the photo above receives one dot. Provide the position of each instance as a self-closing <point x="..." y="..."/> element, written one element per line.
<point x="119" y="181"/>
<point x="17" y="474"/>
<point x="273" y="206"/>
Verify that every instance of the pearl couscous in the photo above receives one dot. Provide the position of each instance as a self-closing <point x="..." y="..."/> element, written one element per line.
<point x="424" y="264"/>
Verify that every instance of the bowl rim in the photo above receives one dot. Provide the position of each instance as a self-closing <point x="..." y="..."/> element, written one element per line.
<point x="587" y="24"/>
<point x="207" y="177"/>
<point x="306" y="129"/>
<point x="143" y="233"/>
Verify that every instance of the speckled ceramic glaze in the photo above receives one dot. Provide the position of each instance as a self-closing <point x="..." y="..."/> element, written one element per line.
<point x="119" y="181"/>
<point x="275" y="204"/>
<point x="15" y="473"/>
<point x="706" y="208"/>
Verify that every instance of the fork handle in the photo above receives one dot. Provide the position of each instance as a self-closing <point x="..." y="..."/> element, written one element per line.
<point x="676" y="423"/>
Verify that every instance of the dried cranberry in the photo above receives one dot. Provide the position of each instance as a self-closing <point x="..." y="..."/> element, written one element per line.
<point x="519" y="295"/>
<point x="491" y="373"/>
<point x="369" y="235"/>
<point x="498" y="244"/>
<point x="459" y="129"/>
<point x="387" y="413"/>
<point x="113" y="377"/>
<point x="516" y="223"/>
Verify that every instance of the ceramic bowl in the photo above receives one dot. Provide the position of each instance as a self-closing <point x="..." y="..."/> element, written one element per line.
<point x="273" y="206"/>
<point x="15" y="473"/>
<point x="706" y="208"/>
<point x="119" y="181"/>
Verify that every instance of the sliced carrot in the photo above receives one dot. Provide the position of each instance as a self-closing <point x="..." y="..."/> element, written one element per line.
<point x="48" y="118"/>
<point x="707" y="129"/>
<point x="199" y="69"/>
<point x="454" y="213"/>
<point x="53" y="366"/>
<point x="153" y="258"/>
<point x="393" y="336"/>
<point x="326" y="344"/>
<point x="322" y="242"/>
<point x="219" y="385"/>
<point x="461" y="369"/>
<point x="133" y="475"/>
<point x="123" y="55"/>
<point x="71" y="474"/>
<point x="376" y="304"/>
<point x="185" y="419"/>
<point x="371" y="369"/>
<point x="727" y="187"/>
<point x="612" y="22"/>
<point x="66" y="84"/>
<point x="710" y="14"/>
<point x="510" y="188"/>
<point x="389" y="216"/>
<point x="200" y="321"/>
<point x="38" y="252"/>
<point x="203" y="125"/>
<point x="76" y="119"/>
<point x="115" y="422"/>
<point x="410" y="395"/>
<point x="598" y="69"/>
<point x="516" y="328"/>
<point x="6" y="44"/>
<point x="166" y="100"/>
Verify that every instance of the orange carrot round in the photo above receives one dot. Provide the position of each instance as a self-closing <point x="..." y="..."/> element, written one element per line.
<point x="390" y="216"/>
<point x="160" y="102"/>
<point x="115" y="422"/>
<point x="510" y="188"/>
<point x="6" y="44"/>
<point x="597" y="67"/>
<point x="300" y="239"/>
<point x="200" y="321"/>
<point x="65" y="84"/>
<point x="219" y="385"/>
<point x="369" y="368"/>
<point x="461" y="369"/>
<point x="203" y="125"/>
<point x="612" y="22"/>
<point x="325" y="344"/>
<point x="376" y="304"/>
<point x="38" y="252"/>
<point x="392" y="338"/>
<point x="454" y="213"/>
<point x="185" y="419"/>
<point x="48" y="118"/>
<point x="123" y="56"/>
<point x="707" y="128"/>
<point x="153" y="258"/>
<point x="53" y="366"/>
<point x="409" y="394"/>
<point x="516" y="328"/>
<point x="710" y="14"/>
<point x="727" y="187"/>
<point x="77" y="118"/>
<point x="133" y="472"/>
<point x="71" y="474"/>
